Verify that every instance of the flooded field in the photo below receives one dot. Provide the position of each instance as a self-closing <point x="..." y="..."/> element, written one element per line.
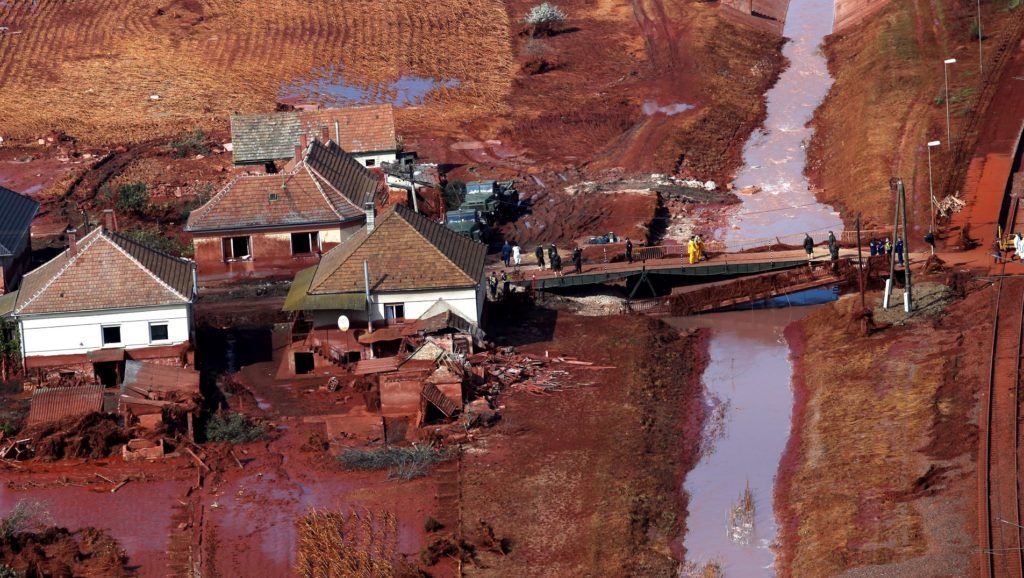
<point x="747" y="389"/>
<point x="775" y="156"/>
<point x="331" y="89"/>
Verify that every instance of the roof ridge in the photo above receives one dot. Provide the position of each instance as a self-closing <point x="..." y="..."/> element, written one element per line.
<point x="316" y="182"/>
<point x="346" y="249"/>
<point x="139" y="263"/>
<point x="70" y="261"/>
<point x="319" y="177"/>
<point x="401" y="214"/>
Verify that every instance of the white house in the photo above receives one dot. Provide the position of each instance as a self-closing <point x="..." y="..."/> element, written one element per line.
<point x="103" y="300"/>
<point x="412" y="264"/>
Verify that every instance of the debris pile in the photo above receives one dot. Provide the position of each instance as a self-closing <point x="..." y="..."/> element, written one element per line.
<point x="60" y="552"/>
<point x="95" y="435"/>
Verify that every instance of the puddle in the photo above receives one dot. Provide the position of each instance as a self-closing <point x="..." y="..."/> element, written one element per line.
<point x="330" y="89"/>
<point x="651" y="108"/>
<point x="775" y="157"/>
<point x="30" y="177"/>
<point x="747" y="387"/>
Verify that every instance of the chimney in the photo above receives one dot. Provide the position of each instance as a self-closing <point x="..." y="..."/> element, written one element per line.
<point x="337" y="132"/>
<point x="110" y="220"/>
<point x="325" y="134"/>
<point x="72" y="235"/>
<point x="300" y="149"/>
<point x="371" y="216"/>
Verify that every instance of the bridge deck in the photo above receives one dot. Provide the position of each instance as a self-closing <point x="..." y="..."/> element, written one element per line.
<point x="722" y="265"/>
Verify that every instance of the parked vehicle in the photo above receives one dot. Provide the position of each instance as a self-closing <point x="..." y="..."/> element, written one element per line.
<point x="465" y="222"/>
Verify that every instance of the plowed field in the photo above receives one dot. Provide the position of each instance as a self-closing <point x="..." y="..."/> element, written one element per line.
<point x="91" y="68"/>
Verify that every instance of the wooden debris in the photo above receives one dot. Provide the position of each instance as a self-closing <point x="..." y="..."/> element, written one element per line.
<point x="120" y="485"/>
<point x="196" y="458"/>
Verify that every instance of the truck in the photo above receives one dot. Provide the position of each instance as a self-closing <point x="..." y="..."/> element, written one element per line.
<point x="465" y="222"/>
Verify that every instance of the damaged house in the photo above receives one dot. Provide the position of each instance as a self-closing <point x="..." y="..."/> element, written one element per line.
<point x="270" y="226"/>
<point x="365" y="132"/>
<point x="16" y="214"/>
<point x="400" y="278"/>
<point x="104" y="300"/>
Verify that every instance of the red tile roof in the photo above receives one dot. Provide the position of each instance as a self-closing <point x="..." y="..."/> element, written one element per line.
<point x="327" y="187"/>
<point x="108" y="271"/>
<point x="405" y="251"/>
<point x="57" y="403"/>
<point x="358" y="129"/>
<point x="155" y="381"/>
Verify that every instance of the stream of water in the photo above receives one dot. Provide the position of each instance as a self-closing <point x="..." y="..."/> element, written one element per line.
<point x="775" y="156"/>
<point x="748" y="380"/>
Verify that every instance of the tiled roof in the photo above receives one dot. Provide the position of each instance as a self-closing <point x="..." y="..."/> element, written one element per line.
<point x="328" y="186"/>
<point x="344" y="173"/>
<point x="16" y="214"/>
<point x="57" y="403"/>
<point x="358" y="129"/>
<point x="405" y="251"/>
<point x="260" y="138"/>
<point x="108" y="271"/>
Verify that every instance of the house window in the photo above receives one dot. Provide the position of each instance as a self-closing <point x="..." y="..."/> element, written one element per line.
<point x="111" y="335"/>
<point x="305" y="243"/>
<point x="394" y="311"/>
<point x="237" y="248"/>
<point x="158" y="332"/>
<point x="371" y="162"/>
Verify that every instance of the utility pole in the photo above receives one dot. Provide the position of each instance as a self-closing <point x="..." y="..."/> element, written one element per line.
<point x="981" y="59"/>
<point x="860" y="266"/>
<point x="907" y="300"/>
<point x="894" y="188"/>
<point x="945" y="74"/>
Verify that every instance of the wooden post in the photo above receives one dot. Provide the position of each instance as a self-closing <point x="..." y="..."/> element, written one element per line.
<point x="908" y="304"/>
<point x="860" y="267"/>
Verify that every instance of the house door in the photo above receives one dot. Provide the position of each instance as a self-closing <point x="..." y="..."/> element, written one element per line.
<point x="108" y="373"/>
<point x="304" y="362"/>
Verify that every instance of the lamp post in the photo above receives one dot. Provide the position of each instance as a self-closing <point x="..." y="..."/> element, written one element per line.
<point x="931" y="193"/>
<point x="945" y="71"/>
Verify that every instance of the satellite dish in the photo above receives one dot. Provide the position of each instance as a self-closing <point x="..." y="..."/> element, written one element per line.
<point x="343" y="323"/>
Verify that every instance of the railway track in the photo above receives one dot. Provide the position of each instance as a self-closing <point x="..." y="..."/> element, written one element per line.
<point x="1001" y="532"/>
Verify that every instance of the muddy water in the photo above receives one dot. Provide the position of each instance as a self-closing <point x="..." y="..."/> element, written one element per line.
<point x="775" y="157"/>
<point x="747" y="389"/>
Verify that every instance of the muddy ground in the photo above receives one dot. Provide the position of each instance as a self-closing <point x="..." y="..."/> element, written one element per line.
<point x="888" y="100"/>
<point x="879" y="474"/>
<point x="560" y="475"/>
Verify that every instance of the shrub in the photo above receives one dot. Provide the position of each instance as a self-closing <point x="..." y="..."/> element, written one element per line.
<point x="543" y="19"/>
<point x="454" y="194"/>
<point x="233" y="428"/>
<point x="132" y="197"/>
<point x="190" y="143"/>
<point x="401" y="463"/>
<point x="25" y="516"/>
<point x="8" y="572"/>
<point x="538" y="57"/>
<point x="431" y="525"/>
<point x="152" y="237"/>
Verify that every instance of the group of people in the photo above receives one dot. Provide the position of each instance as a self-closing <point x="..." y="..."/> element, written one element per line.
<point x="511" y="255"/>
<point x="492" y="284"/>
<point x="886" y="248"/>
<point x="696" y="249"/>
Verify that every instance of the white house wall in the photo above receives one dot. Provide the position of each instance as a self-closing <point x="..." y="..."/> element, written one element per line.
<point x="377" y="157"/>
<point x="467" y="302"/>
<point x="78" y="333"/>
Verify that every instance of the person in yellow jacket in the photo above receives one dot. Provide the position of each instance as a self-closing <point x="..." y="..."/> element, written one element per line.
<point x="691" y="250"/>
<point x="700" y="248"/>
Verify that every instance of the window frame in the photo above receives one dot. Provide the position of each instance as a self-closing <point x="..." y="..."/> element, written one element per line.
<point x="370" y="162"/>
<point x="103" y="335"/>
<point x="228" y="248"/>
<point x="395" y="309"/>
<point x="167" y="329"/>
<point x="314" y="243"/>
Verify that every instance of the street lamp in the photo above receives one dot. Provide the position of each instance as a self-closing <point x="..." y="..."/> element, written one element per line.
<point x="931" y="192"/>
<point x="945" y="71"/>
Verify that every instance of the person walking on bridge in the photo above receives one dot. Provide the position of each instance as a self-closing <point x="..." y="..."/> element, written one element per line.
<point x="930" y="239"/>
<point x="506" y="253"/>
<point x="691" y="249"/>
<point x="833" y="246"/>
<point x="556" y="263"/>
<point x="505" y="284"/>
<point x="873" y="245"/>
<point x="577" y="260"/>
<point x="888" y="247"/>
<point x="540" y="256"/>
<point x="701" y="248"/>
<point x="899" y="250"/>
<point x="809" y="246"/>
<point x="629" y="250"/>
<point x="517" y="255"/>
